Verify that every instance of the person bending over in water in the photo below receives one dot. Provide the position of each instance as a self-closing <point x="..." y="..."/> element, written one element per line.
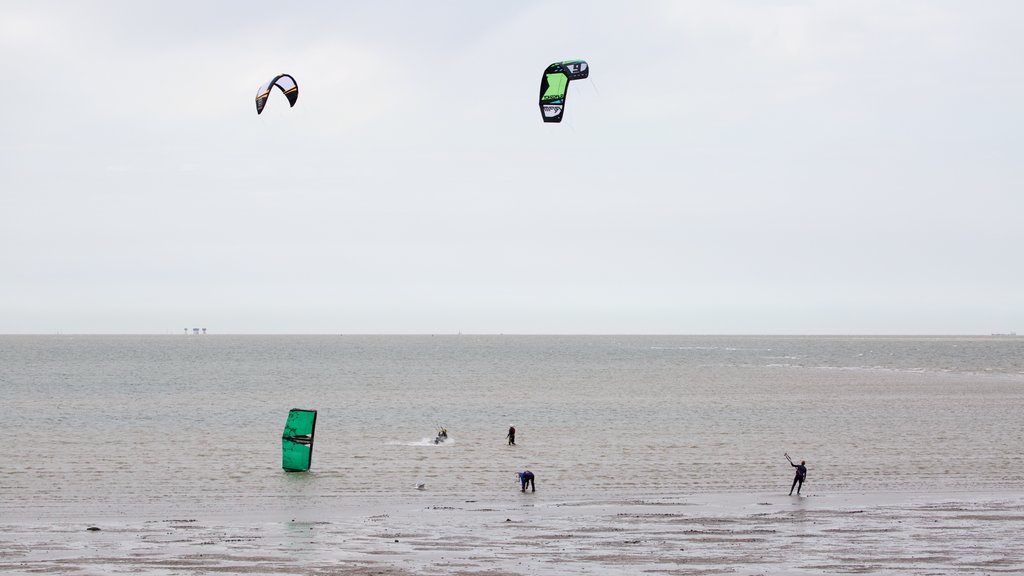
<point x="801" y="475"/>
<point x="511" y="436"/>
<point x="526" y="477"/>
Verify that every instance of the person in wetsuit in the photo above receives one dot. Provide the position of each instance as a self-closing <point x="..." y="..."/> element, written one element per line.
<point x="801" y="475"/>
<point x="526" y="477"/>
<point x="511" y="436"/>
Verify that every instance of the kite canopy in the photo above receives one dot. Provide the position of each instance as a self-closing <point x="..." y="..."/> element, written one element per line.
<point x="297" y="440"/>
<point x="554" y="85"/>
<point x="283" y="81"/>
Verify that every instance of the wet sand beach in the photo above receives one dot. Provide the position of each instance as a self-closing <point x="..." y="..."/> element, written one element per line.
<point x="881" y="533"/>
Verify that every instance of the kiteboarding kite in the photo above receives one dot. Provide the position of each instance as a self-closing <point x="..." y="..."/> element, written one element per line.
<point x="555" y="83"/>
<point x="297" y="440"/>
<point x="283" y="81"/>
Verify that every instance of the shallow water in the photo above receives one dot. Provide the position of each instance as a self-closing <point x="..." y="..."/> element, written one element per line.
<point x="136" y="433"/>
<point x="129" y="423"/>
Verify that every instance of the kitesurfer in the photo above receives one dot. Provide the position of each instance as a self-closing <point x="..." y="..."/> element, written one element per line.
<point x="511" y="436"/>
<point x="526" y="477"/>
<point x="801" y="475"/>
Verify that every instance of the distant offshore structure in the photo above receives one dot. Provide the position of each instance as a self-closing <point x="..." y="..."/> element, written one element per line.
<point x="1005" y="334"/>
<point x="195" y="331"/>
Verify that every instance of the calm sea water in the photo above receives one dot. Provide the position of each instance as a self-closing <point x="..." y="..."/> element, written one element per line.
<point x="136" y="425"/>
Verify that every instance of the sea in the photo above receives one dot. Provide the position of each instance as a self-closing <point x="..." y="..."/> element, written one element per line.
<point x="644" y="448"/>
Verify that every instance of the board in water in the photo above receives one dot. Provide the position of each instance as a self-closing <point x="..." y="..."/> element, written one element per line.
<point x="297" y="440"/>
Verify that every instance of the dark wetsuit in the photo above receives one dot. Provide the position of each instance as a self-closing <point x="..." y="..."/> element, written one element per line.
<point x="527" y="478"/>
<point x="798" y="480"/>
<point x="511" y="436"/>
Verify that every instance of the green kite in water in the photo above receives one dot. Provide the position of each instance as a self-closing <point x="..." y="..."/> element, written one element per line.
<point x="297" y="440"/>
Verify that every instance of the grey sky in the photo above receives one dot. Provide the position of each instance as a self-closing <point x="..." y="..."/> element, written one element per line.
<point x="729" y="167"/>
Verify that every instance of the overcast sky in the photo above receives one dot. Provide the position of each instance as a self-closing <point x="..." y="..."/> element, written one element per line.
<point x="791" y="167"/>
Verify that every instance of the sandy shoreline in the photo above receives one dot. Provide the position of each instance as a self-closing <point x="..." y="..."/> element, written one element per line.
<point x="877" y="533"/>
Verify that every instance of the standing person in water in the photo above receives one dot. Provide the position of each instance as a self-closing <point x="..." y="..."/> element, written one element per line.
<point x="526" y="477"/>
<point x="511" y="436"/>
<point x="801" y="475"/>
